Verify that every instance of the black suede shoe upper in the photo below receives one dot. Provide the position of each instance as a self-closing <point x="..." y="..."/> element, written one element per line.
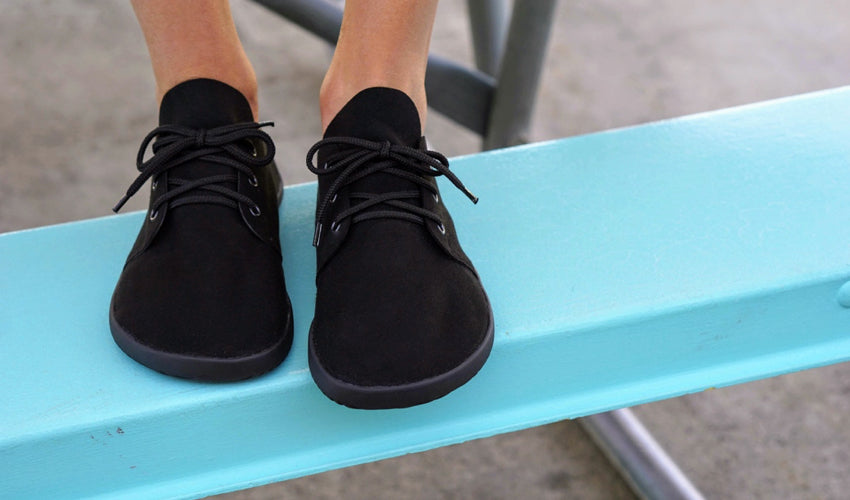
<point x="398" y="302"/>
<point x="204" y="280"/>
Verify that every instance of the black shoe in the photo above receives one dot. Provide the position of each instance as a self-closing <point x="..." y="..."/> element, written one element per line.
<point x="202" y="295"/>
<point x="401" y="317"/>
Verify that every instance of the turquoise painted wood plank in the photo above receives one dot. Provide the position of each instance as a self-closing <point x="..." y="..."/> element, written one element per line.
<point x="623" y="267"/>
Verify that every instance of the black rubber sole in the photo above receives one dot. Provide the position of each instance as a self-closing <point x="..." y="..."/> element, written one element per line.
<point x="399" y="396"/>
<point x="205" y="369"/>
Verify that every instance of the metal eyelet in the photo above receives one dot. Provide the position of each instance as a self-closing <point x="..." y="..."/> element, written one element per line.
<point x="333" y="200"/>
<point x="255" y="210"/>
<point x="153" y="185"/>
<point x="253" y="181"/>
<point x="335" y="226"/>
<point x="153" y="215"/>
<point x="442" y="228"/>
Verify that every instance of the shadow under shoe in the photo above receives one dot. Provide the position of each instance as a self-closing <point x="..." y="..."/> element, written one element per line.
<point x="401" y="316"/>
<point x="202" y="295"/>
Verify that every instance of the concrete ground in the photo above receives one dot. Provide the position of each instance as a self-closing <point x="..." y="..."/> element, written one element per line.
<point x="76" y="96"/>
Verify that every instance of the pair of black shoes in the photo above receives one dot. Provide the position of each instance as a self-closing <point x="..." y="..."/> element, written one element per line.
<point x="401" y="317"/>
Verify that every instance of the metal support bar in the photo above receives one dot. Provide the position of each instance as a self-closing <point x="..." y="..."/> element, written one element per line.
<point x="488" y="20"/>
<point x="319" y="17"/>
<point x="650" y="472"/>
<point x="519" y="75"/>
<point x="459" y="93"/>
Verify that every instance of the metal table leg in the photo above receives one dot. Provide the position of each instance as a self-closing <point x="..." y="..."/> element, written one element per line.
<point x="488" y="20"/>
<point x="650" y="472"/>
<point x="519" y="73"/>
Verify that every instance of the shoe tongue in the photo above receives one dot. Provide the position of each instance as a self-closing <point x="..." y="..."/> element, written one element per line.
<point x="379" y="114"/>
<point x="203" y="104"/>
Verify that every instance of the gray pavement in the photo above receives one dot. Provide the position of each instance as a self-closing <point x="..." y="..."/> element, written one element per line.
<point x="76" y="96"/>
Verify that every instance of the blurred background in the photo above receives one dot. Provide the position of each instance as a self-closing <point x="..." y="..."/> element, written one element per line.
<point x="77" y="97"/>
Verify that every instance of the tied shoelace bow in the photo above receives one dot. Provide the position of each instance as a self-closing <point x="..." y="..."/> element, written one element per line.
<point x="226" y="145"/>
<point x="360" y="158"/>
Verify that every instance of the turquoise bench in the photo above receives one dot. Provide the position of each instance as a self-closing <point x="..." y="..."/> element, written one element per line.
<point x="623" y="267"/>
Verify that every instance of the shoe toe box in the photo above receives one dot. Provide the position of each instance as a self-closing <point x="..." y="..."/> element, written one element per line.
<point x="201" y="303"/>
<point x="400" y="319"/>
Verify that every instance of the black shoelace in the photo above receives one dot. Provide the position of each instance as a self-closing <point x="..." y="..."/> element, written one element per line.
<point x="227" y="145"/>
<point x="360" y="158"/>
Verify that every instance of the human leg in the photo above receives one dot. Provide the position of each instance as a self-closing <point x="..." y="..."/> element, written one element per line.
<point x="195" y="39"/>
<point x="401" y="317"/>
<point x="382" y="43"/>
<point x="202" y="294"/>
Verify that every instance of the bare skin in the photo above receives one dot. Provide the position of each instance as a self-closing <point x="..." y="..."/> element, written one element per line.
<point x="382" y="43"/>
<point x="195" y="39"/>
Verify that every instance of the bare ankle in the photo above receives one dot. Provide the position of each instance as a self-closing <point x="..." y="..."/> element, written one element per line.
<point x="187" y="40"/>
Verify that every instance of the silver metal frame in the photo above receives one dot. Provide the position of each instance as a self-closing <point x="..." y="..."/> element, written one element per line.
<point x="638" y="458"/>
<point x="519" y="73"/>
<point x="488" y="20"/>
<point x="496" y="101"/>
